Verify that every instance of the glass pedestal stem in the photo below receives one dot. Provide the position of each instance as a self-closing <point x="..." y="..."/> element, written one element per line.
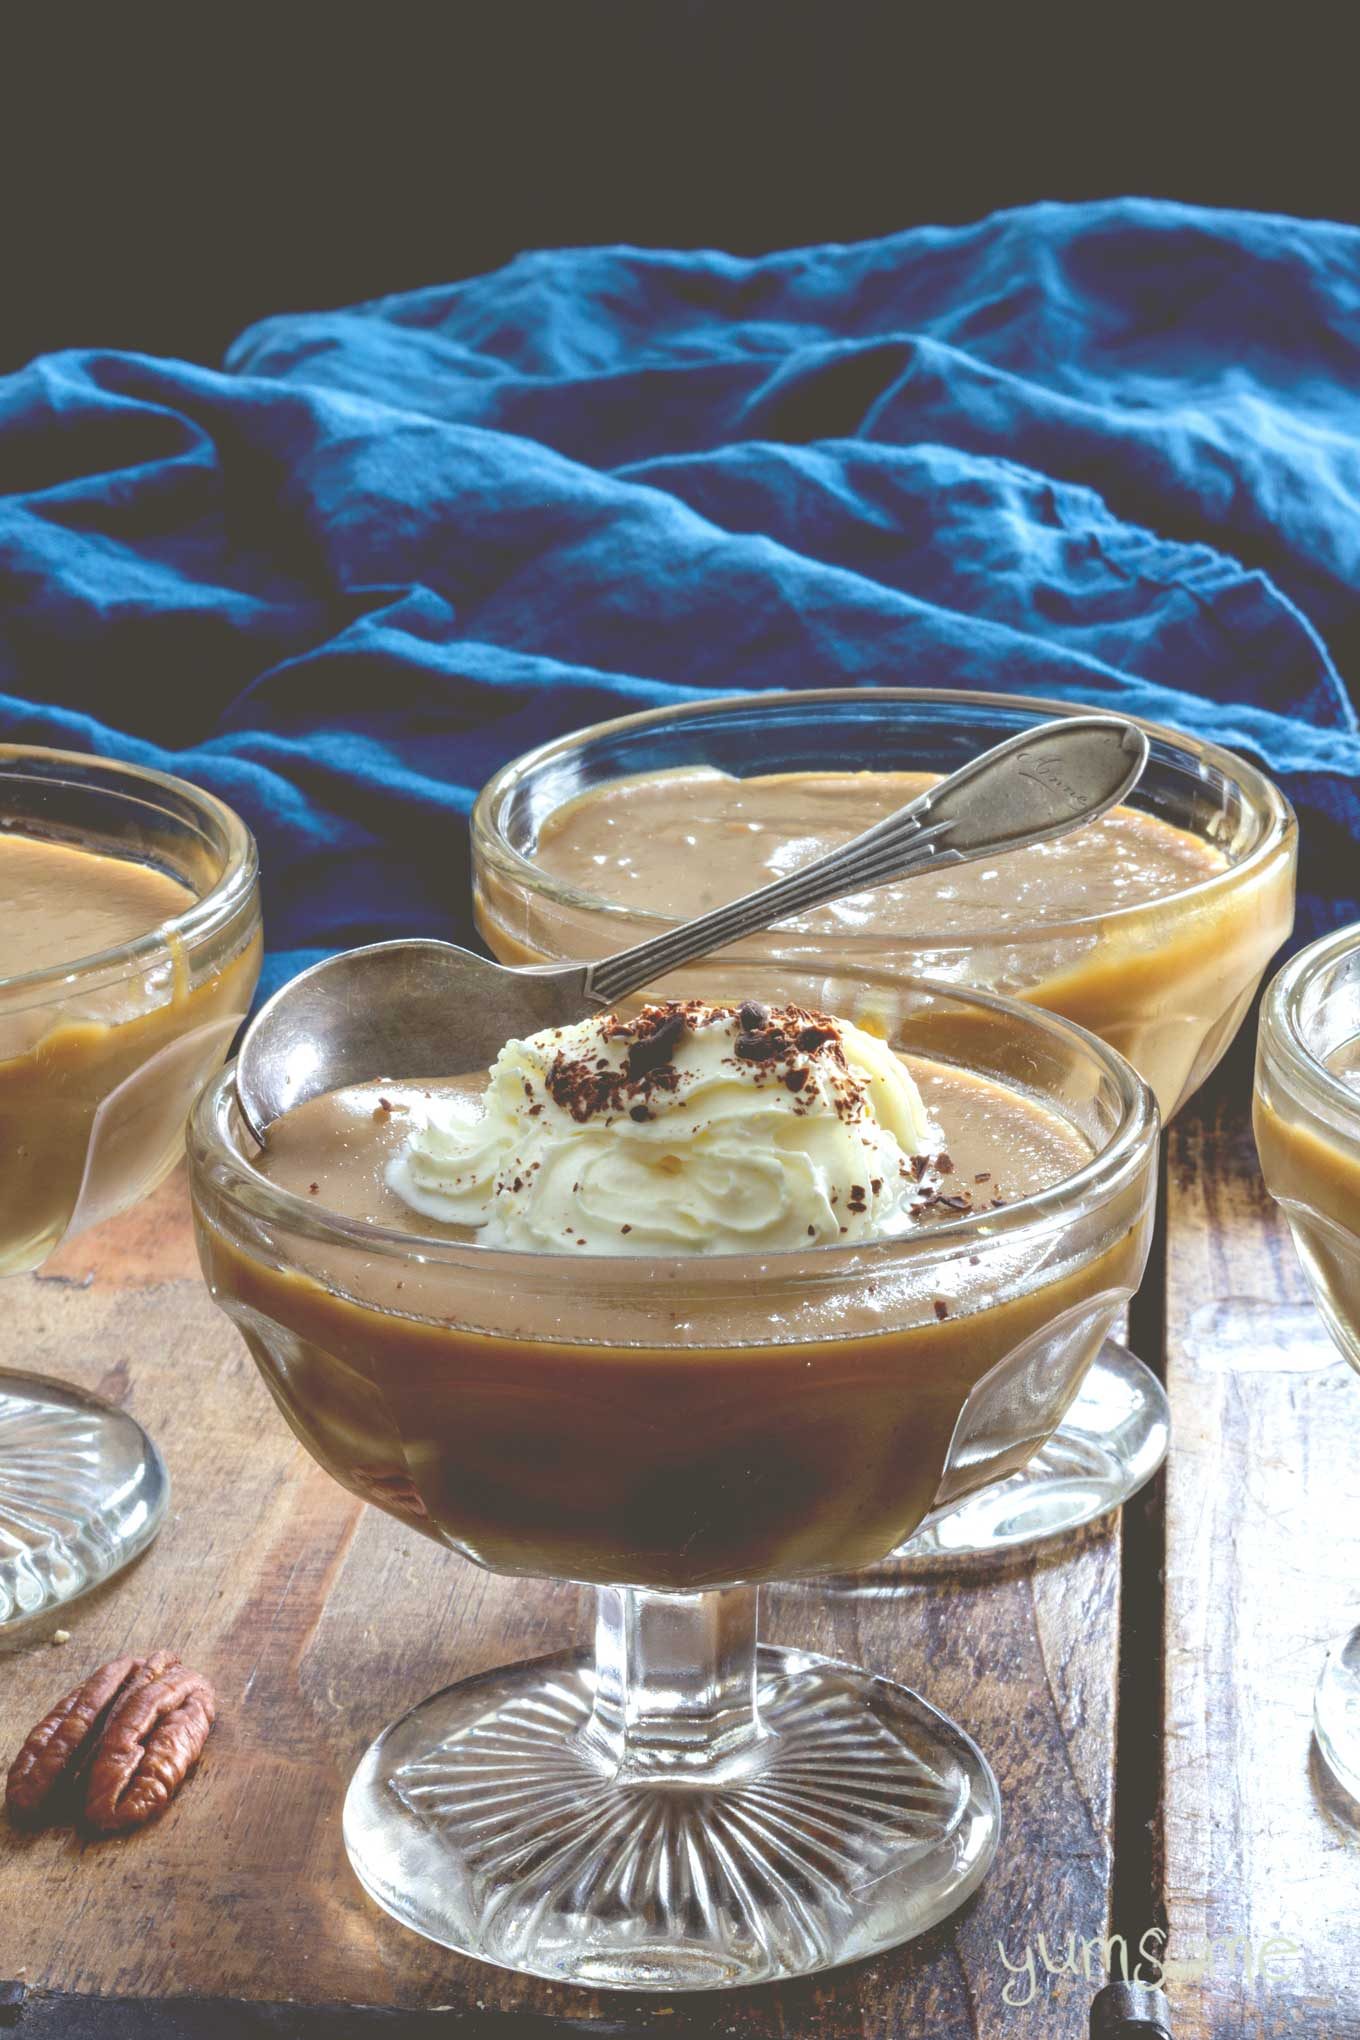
<point x="683" y="1812"/>
<point x="675" y="1685"/>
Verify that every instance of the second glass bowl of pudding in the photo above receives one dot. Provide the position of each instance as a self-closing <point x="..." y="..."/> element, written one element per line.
<point x="129" y="950"/>
<point x="681" y="1811"/>
<point x="1152" y="928"/>
<point x="1307" y="1123"/>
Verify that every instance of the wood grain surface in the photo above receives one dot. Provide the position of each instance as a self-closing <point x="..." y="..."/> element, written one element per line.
<point x="320" y="1620"/>
<point x="1261" y="1854"/>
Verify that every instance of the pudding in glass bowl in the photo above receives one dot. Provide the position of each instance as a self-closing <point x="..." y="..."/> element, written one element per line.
<point x="1307" y="1120"/>
<point x="1307" y="1123"/>
<point x="129" y="950"/>
<point x="710" y="1293"/>
<point x="1152" y="926"/>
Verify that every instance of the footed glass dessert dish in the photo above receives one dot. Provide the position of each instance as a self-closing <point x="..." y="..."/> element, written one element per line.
<point x="1152" y="928"/>
<point x="683" y="1808"/>
<point x="129" y="949"/>
<point x="1307" y="1123"/>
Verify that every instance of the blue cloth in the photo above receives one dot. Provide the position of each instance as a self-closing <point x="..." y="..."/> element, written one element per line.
<point x="1107" y="452"/>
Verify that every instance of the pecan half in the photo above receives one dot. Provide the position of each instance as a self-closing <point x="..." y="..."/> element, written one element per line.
<point x="57" y="1751"/>
<point x="150" y="1743"/>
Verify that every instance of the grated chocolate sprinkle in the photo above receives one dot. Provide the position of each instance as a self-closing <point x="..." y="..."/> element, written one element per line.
<point x="778" y="1043"/>
<point x="816" y="1035"/>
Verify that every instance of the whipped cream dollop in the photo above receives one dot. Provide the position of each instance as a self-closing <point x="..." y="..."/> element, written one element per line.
<point x="684" y="1129"/>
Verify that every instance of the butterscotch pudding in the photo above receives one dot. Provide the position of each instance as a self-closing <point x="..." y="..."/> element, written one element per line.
<point x="631" y="1401"/>
<point x="1151" y="926"/>
<point x="723" y="1290"/>
<point x="1307" y="1121"/>
<point x="639" y="840"/>
<point x="129" y="949"/>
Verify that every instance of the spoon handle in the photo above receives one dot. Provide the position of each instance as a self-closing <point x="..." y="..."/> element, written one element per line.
<point x="1038" y="784"/>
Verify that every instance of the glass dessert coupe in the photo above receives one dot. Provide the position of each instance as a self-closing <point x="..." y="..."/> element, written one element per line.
<point x="1166" y="980"/>
<point x="682" y="1808"/>
<point x="103" y="1047"/>
<point x="1307" y="1123"/>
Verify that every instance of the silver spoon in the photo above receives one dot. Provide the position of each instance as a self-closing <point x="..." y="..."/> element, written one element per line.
<point x="417" y="1008"/>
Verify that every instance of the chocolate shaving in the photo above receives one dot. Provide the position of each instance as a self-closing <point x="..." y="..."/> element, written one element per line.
<point x="587" y="1088"/>
<point x="653" y="1048"/>
<point x="815" y="1036"/>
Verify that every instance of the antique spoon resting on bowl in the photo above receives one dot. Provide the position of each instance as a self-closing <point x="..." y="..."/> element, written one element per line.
<point x="418" y="1008"/>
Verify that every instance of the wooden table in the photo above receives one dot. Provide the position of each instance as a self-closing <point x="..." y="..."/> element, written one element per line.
<point x="319" y="1620"/>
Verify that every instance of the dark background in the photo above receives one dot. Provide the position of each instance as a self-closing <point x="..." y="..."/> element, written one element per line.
<point x="171" y="175"/>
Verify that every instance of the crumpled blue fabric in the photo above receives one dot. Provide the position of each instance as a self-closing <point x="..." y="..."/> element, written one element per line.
<point x="1107" y="452"/>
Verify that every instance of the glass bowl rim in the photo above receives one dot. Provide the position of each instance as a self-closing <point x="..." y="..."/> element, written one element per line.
<point x="1282" y="1034"/>
<point x="1265" y="800"/>
<point x="211" y="910"/>
<point x="1097" y="1180"/>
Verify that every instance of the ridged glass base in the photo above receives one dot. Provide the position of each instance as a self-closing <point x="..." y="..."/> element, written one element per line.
<point x="1336" y="1713"/>
<point x="491" y="1820"/>
<point x="1111" y="1442"/>
<point x="82" y="1491"/>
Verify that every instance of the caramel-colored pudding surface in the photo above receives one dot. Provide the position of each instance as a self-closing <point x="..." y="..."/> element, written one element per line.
<point x="687" y="841"/>
<point x="672" y="1423"/>
<point x="60" y="904"/>
<point x="343" y="1142"/>
<point x="70" y="1049"/>
<point x="1314" y="1170"/>
<point x="1166" y="985"/>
